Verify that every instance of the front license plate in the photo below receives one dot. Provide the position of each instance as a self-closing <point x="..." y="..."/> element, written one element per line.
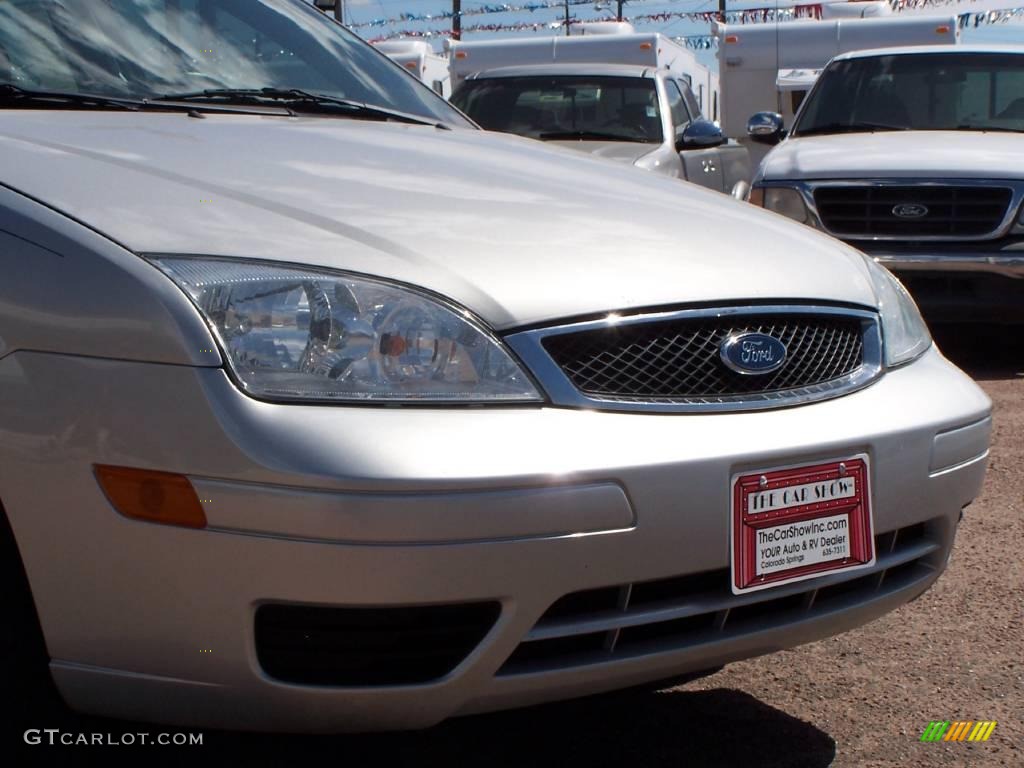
<point x="795" y="523"/>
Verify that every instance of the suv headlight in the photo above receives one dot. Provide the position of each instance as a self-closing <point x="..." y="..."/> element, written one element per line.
<point x="905" y="336"/>
<point x="292" y="333"/>
<point x="785" y="201"/>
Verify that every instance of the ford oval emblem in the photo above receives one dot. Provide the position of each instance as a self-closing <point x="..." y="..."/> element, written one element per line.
<point x="753" y="353"/>
<point x="910" y="211"/>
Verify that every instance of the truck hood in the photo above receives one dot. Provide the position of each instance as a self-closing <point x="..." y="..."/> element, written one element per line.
<point x="621" y="151"/>
<point x="516" y="232"/>
<point x="897" y="154"/>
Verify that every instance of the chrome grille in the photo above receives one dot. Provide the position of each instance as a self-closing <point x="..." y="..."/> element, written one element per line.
<point x="678" y="360"/>
<point x="868" y="210"/>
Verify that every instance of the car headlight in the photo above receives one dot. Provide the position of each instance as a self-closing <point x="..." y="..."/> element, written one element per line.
<point x="292" y="333"/>
<point x="785" y="201"/>
<point x="904" y="333"/>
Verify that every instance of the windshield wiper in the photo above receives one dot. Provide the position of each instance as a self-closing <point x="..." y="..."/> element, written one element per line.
<point x="588" y="135"/>
<point x="976" y="127"/>
<point x="296" y="100"/>
<point x="849" y="128"/>
<point x="9" y="93"/>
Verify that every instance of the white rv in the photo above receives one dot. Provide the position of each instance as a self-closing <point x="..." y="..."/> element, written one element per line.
<point x="770" y="67"/>
<point x="592" y="44"/>
<point x="418" y="57"/>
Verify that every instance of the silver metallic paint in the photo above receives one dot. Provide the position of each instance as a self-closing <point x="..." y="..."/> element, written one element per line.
<point x="102" y="361"/>
<point x="132" y="603"/>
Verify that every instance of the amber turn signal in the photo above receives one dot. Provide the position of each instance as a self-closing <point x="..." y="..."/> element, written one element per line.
<point x="156" y="497"/>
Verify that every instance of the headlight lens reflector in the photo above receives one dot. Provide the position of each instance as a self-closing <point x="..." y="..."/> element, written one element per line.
<point x="292" y="333"/>
<point x="786" y="201"/>
<point x="905" y="334"/>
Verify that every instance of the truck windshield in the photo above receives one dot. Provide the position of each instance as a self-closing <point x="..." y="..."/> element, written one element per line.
<point x="145" y="49"/>
<point x="918" y="91"/>
<point x="565" y="107"/>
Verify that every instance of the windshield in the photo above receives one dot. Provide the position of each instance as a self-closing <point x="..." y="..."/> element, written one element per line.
<point x="921" y="92"/>
<point x="565" y="107"/>
<point x="140" y="49"/>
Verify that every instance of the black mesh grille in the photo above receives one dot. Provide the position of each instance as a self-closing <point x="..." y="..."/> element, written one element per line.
<point x="869" y="211"/>
<point x="679" y="360"/>
<point x="368" y="646"/>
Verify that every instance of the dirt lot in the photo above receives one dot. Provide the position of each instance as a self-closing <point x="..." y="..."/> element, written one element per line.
<point x="861" y="699"/>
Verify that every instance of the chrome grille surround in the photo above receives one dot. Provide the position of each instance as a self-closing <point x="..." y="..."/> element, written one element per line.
<point x="809" y="189"/>
<point x="563" y="387"/>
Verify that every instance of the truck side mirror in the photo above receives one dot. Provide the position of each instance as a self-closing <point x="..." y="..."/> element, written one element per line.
<point x="700" y="134"/>
<point x="766" y="128"/>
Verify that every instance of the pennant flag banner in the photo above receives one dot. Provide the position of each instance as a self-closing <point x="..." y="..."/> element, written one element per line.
<point x="903" y="5"/>
<point x="965" y="20"/>
<point x="479" y="10"/>
<point x="696" y="42"/>
<point x="747" y="16"/>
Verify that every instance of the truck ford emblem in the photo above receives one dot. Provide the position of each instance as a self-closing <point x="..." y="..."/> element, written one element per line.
<point x="910" y="211"/>
<point x="753" y="353"/>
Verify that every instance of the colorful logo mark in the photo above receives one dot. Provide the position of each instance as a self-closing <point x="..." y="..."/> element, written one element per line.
<point x="958" y="730"/>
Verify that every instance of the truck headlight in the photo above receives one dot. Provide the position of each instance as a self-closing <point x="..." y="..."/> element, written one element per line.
<point x="292" y="333"/>
<point x="905" y="335"/>
<point x="782" y="200"/>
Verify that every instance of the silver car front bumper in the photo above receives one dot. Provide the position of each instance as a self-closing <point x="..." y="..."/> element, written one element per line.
<point x="1004" y="264"/>
<point x="340" y="506"/>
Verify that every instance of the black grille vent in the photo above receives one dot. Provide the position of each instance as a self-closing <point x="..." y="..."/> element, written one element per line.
<point x="679" y="360"/>
<point x="368" y="646"/>
<point x="670" y="614"/>
<point x="947" y="211"/>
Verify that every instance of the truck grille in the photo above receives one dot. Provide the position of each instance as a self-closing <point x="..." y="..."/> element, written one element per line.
<point x="678" y="360"/>
<point x="942" y="210"/>
<point x="628" y="620"/>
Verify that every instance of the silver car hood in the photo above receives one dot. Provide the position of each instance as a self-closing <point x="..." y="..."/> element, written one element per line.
<point x="516" y="232"/>
<point x="898" y="154"/>
<point x="621" y="151"/>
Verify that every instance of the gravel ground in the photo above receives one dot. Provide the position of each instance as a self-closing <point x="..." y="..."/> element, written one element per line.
<point x="861" y="699"/>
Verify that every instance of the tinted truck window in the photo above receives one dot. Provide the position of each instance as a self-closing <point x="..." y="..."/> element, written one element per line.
<point x="940" y="91"/>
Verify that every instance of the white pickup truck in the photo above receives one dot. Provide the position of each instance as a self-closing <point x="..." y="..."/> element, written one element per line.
<point x="914" y="156"/>
<point x="643" y="116"/>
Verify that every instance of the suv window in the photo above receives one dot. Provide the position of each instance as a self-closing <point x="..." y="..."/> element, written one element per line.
<point x="677" y="105"/>
<point x="691" y="101"/>
<point x="918" y="91"/>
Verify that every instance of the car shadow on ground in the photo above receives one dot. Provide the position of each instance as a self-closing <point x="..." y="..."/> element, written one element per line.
<point x="718" y="727"/>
